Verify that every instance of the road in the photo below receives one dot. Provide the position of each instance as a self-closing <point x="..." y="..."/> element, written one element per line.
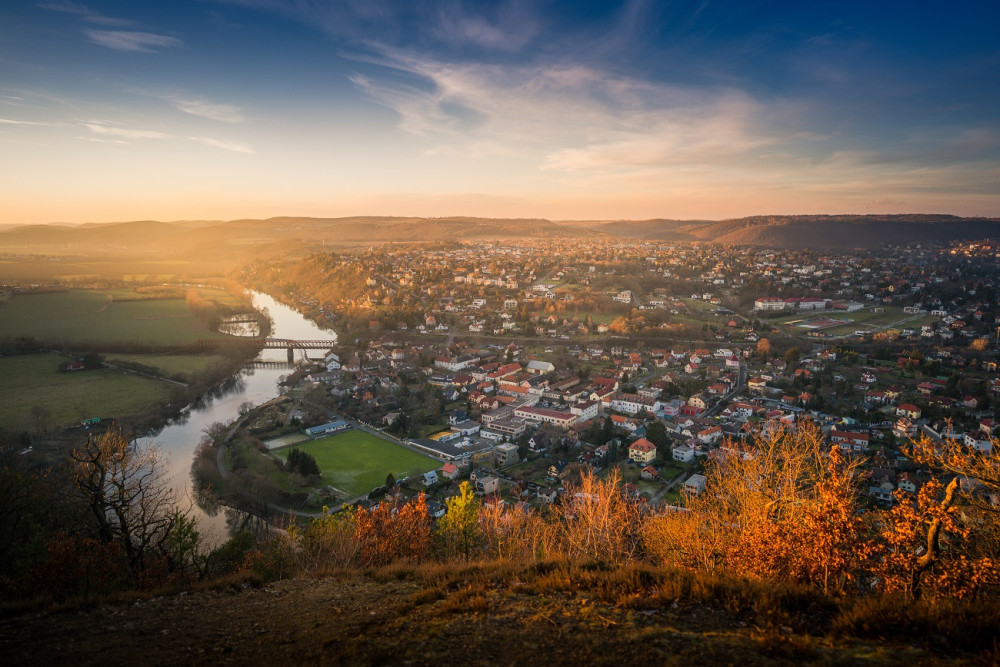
<point x="740" y="383"/>
<point x="666" y="487"/>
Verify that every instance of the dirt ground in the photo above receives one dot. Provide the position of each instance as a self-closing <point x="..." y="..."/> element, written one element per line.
<point x="357" y="620"/>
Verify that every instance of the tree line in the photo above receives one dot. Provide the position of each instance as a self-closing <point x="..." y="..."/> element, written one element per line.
<point x="780" y="508"/>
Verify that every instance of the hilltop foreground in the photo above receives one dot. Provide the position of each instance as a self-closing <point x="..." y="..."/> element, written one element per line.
<point x="480" y="615"/>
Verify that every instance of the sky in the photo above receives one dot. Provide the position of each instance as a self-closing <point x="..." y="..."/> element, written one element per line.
<point x="224" y="109"/>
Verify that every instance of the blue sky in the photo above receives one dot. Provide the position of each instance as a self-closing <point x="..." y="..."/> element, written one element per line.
<point x="567" y="110"/>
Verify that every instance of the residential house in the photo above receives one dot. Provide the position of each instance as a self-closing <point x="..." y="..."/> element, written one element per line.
<point x="505" y="455"/>
<point x="850" y="441"/>
<point x="547" y="496"/>
<point x="710" y="435"/>
<point x="487" y="485"/>
<point x="683" y="454"/>
<point x="642" y="451"/>
<point x="695" y="484"/>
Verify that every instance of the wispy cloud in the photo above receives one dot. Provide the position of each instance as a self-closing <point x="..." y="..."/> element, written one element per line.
<point x="571" y="117"/>
<point x="225" y="113"/>
<point x="104" y="129"/>
<point x="510" y="27"/>
<point x="8" y="121"/>
<point x="233" y="146"/>
<point x="125" y="40"/>
<point x="709" y="132"/>
<point x="119" y="40"/>
<point x="86" y="14"/>
<point x="505" y="25"/>
<point x="103" y="141"/>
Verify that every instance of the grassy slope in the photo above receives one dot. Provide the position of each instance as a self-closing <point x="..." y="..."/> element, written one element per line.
<point x="357" y="461"/>
<point x="492" y="614"/>
<point x="89" y="316"/>
<point x="34" y="379"/>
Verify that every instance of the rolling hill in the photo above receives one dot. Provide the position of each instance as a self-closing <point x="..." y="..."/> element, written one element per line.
<point x="244" y="237"/>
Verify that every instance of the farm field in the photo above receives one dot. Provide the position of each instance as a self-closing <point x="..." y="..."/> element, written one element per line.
<point x="144" y="293"/>
<point x="357" y="461"/>
<point x="79" y="270"/>
<point x="170" y="364"/>
<point x="90" y="316"/>
<point x="34" y="380"/>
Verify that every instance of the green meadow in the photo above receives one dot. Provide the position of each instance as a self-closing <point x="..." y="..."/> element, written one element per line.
<point x="83" y="316"/>
<point x="34" y="381"/>
<point x="169" y="364"/>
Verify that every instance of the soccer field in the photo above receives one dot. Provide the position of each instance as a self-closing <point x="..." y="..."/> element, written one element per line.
<point x="357" y="461"/>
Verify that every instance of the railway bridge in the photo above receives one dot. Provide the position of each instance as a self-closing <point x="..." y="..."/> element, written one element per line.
<point x="290" y="344"/>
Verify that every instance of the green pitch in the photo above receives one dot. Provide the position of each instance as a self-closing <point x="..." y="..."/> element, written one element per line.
<point x="357" y="461"/>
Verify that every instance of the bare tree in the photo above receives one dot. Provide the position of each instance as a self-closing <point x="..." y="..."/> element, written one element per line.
<point x="124" y="486"/>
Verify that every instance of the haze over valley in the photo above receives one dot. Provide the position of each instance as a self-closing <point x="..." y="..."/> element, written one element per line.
<point x="436" y="332"/>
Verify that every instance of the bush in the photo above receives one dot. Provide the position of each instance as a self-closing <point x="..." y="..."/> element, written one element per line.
<point x="391" y="532"/>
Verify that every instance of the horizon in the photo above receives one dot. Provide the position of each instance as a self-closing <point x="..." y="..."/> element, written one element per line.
<point x="252" y="109"/>
<point x="63" y="223"/>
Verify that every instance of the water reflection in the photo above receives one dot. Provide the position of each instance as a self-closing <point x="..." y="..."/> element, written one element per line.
<point x="256" y="383"/>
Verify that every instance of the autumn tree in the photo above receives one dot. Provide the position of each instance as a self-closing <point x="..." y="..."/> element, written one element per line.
<point x="779" y="506"/>
<point x="947" y="538"/>
<point x="598" y="521"/>
<point x="980" y="344"/>
<point x="329" y="542"/>
<point x="764" y="349"/>
<point x="792" y="356"/>
<point x="125" y="489"/>
<point x="390" y="531"/>
<point x="458" y="530"/>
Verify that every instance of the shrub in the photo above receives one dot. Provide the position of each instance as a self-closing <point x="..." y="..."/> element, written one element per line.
<point x="390" y="531"/>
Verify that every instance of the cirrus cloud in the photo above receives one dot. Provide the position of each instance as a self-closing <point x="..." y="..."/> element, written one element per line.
<point x="127" y="40"/>
<point x="225" y="113"/>
<point x="234" y="146"/>
<point x="123" y="132"/>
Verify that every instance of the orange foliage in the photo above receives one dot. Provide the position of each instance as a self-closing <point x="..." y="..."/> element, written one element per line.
<point x="598" y="521"/>
<point x="925" y="545"/>
<point x="390" y="532"/>
<point x="780" y="506"/>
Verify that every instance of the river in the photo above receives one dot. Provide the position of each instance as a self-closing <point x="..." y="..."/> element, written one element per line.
<point x="179" y="437"/>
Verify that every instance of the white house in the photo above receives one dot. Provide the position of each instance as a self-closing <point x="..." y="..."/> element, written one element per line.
<point x="683" y="453"/>
<point x="695" y="484"/>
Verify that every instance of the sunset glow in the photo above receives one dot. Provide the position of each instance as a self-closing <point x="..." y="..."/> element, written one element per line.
<point x="257" y="108"/>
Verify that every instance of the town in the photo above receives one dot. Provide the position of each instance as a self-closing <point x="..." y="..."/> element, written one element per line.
<point x="521" y="366"/>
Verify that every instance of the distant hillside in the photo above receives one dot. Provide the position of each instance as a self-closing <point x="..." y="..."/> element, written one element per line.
<point x="847" y="231"/>
<point x="245" y="237"/>
<point x="807" y="231"/>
